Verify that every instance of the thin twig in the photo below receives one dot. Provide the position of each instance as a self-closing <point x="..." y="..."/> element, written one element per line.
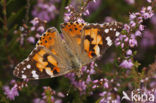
<point x="27" y="12"/>
<point x="5" y="19"/>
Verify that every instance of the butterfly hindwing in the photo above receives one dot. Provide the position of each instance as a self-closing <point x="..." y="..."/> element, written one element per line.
<point x="97" y="37"/>
<point x="45" y="60"/>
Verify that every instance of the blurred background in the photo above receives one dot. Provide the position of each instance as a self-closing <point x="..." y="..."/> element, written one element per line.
<point x="123" y="67"/>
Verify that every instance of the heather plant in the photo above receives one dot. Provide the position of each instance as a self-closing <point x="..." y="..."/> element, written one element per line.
<point x="128" y="66"/>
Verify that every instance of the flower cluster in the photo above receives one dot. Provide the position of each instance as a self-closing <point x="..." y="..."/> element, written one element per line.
<point x="12" y="92"/>
<point x="32" y="33"/>
<point x="81" y="85"/>
<point x="73" y="14"/>
<point x="128" y="39"/>
<point x="45" y="10"/>
<point x="50" y="96"/>
<point x="38" y="27"/>
<point x="148" y="38"/>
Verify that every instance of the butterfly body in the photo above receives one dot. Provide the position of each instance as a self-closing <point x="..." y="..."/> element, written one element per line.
<point x="56" y="54"/>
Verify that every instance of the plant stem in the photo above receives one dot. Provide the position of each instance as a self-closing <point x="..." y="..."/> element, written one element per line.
<point x="60" y="20"/>
<point x="5" y="28"/>
<point x="27" y="12"/>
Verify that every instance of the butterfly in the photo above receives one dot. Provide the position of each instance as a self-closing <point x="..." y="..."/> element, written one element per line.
<point x="58" y="54"/>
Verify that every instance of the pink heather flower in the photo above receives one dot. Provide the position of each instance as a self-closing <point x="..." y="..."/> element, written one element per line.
<point x="149" y="1"/>
<point x="94" y="86"/>
<point x="67" y="17"/>
<point x="149" y="8"/>
<point x="105" y="85"/>
<point x="92" y="6"/>
<point x="122" y="45"/>
<point x="147" y="12"/>
<point x="94" y="1"/>
<point x="58" y="101"/>
<point x="102" y="100"/>
<point x="141" y="27"/>
<point x="12" y="82"/>
<point x="38" y="100"/>
<point x="132" y="16"/>
<point x="137" y="33"/>
<point x="37" y="35"/>
<point x="60" y="94"/>
<point x="129" y="52"/>
<point x="130" y="1"/>
<point x="86" y="12"/>
<point x="109" y="19"/>
<point x="95" y="81"/>
<point x="140" y="20"/>
<point x="126" y="27"/>
<point x="35" y="21"/>
<point x="11" y="93"/>
<point x="31" y="39"/>
<point x="45" y="10"/>
<point x="126" y="39"/>
<point x="126" y="64"/>
<point x="84" y="69"/>
<point x="80" y="20"/>
<point x="133" y="42"/>
<point x="132" y="36"/>
<point x="88" y="79"/>
<point x="102" y="94"/>
<point x="117" y="41"/>
<point x="146" y="15"/>
<point x="132" y="23"/>
<point x="32" y="28"/>
<point x="40" y="29"/>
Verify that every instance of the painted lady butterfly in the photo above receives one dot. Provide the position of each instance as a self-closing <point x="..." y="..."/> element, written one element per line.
<point x="56" y="54"/>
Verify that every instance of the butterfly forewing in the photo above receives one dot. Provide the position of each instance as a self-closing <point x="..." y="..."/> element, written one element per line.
<point x="45" y="60"/>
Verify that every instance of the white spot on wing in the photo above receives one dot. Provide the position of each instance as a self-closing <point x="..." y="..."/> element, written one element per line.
<point x="106" y="30"/>
<point x="109" y="41"/>
<point x="117" y="33"/>
<point x="27" y="59"/>
<point x="22" y="62"/>
<point x="28" y="66"/>
<point x="101" y="25"/>
<point x="24" y="76"/>
<point x="97" y="50"/>
<point x="49" y="72"/>
<point x="35" y="75"/>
